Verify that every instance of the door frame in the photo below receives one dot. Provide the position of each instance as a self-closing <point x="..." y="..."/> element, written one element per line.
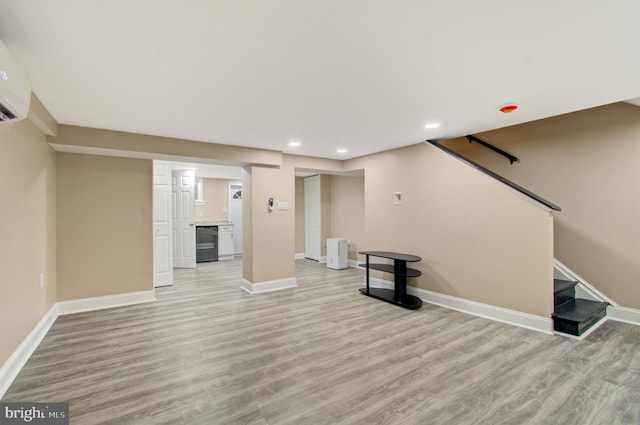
<point x="162" y="224"/>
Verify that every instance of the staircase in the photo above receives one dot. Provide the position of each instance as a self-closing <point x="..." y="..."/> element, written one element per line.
<point x="571" y="315"/>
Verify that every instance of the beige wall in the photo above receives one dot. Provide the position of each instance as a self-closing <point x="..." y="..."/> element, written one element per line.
<point x="272" y="244"/>
<point x="478" y="239"/>
<point x="347" y="211"/>
<point x="118" y="143"/>
<point x="318" y="165"/>
<point x="216" y="196"/>
<point x="104" y="242"/>
<point x="587" y="163"/>
<point x="28" y="228"/>
<point x="299" y="215"/>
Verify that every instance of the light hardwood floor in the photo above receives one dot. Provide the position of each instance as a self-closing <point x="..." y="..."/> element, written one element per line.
<point x="208" y="353"/>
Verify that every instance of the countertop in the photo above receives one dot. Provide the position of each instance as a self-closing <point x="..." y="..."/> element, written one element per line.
<point x="213" y="223"/>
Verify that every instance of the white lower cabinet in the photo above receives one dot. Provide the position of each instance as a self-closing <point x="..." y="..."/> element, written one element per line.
<point x="225" y="242"/>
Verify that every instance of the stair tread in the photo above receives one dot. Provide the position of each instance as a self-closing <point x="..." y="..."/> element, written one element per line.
<point x="560" y="285"/>
<point x="579" y="310"/>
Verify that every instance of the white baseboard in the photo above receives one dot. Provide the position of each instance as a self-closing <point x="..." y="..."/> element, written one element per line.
<point x="624" y="314"/>
<point x="323" y="259"/>
<point x="107" y="301"/>
<point x="18" y="359"/>
<point x="355" y="264"/>
<point x="499" y="314"/>
<point x="299" y="256"/>
<point x="268" y="286"/>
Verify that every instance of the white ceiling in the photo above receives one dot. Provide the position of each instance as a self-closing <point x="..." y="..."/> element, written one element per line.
<point x="361" y="74"/>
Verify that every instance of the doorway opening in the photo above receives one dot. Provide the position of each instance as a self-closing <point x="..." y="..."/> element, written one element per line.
<point x="188" y="197"/>
<point x="329" y="204"/>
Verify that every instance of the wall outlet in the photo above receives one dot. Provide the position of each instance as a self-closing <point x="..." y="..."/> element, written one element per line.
<point x="41" y="280"/>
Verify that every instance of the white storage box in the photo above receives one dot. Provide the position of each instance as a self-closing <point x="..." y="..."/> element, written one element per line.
<point x="337" y="253"/>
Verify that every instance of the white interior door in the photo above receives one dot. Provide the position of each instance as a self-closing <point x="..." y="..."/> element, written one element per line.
<point x="235" y="216"/>
<point x="312" y="242"/>
<point x="184" y="229"/>
<point x="162" y="253"/>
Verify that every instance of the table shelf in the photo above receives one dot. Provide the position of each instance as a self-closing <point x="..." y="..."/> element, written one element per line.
<point x="388" y="268"/>
<point x="397" y="296"/>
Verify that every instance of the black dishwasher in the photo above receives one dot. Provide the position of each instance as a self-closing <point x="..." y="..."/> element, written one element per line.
<point x="206" y="243"/>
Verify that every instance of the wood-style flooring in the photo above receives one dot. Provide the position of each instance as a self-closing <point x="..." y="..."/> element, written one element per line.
<point x="208" y="353"/>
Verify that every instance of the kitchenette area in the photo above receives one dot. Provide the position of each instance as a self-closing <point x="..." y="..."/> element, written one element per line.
<point x="214" y="241"/>
<point x="206" y="213"/>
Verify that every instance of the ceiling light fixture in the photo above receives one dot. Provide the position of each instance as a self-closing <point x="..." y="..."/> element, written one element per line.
<point x="432" y="125"/>
<point x="294" y="143"/>
<point x="342" y="150"/>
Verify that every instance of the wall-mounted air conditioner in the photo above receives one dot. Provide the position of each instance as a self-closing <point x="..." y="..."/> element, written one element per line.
<point x="15" y="89"/>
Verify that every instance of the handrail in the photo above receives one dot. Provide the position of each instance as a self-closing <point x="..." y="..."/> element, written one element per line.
<point x="496" y="176"/>
<point x="510" y="157"/>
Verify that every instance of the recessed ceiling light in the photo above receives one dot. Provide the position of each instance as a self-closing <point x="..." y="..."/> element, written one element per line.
<point x="342" y="150"/>
<point x="432" y="125"/>
<point x="294" y="143"/>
